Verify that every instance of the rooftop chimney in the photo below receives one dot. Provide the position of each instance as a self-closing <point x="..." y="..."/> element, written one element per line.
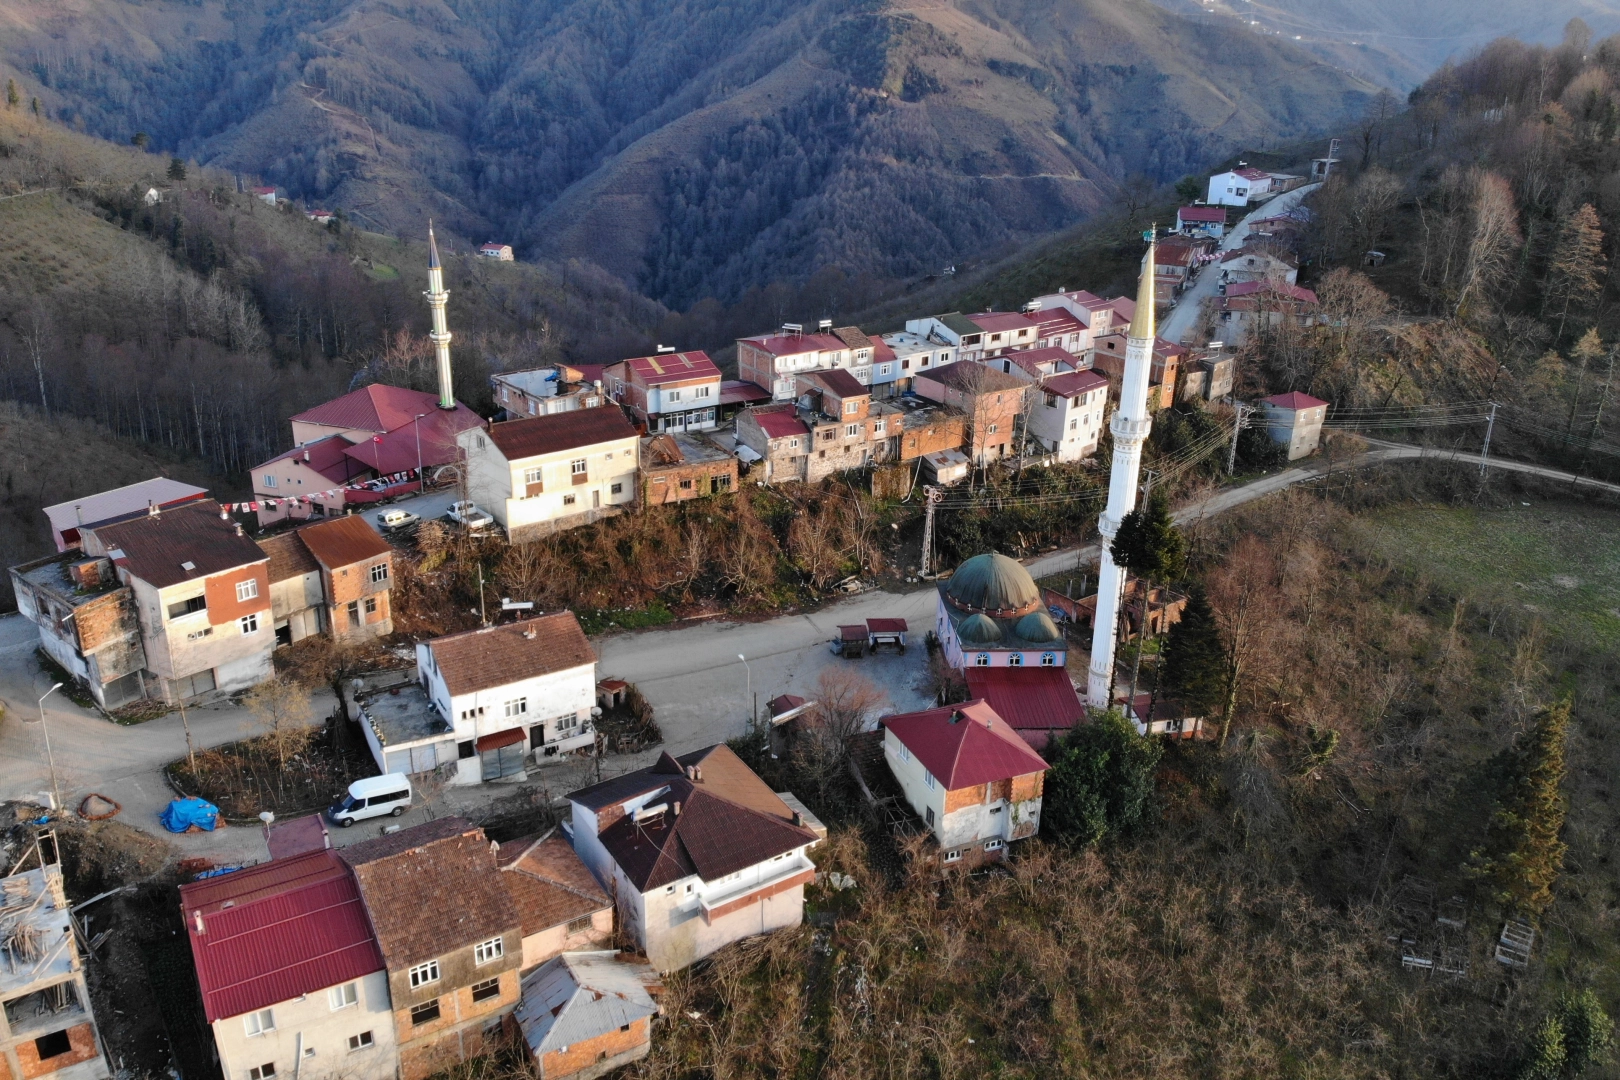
<point x="152" y="508"/>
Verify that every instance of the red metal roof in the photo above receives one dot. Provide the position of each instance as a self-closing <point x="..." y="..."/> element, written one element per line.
<point x="964" y="745"/>
<point x="326" y="456"/>
<point x="886" y="626"/>
<point x="671" y="367"/>
<point x="1295" y="400"/>
<point x="396" y="450"/>
<point x="737" y="392"/>
<point x="276" y="931"/>
<point x="1070" y="383"/>
<point x="1058" y="321"/>
<point x="996" y="322"/>
<point x="838" y="382"/>
<point x="376" y="408"/>
<point x="1032" y="699"/>
<point x="794" y="344"/>
<point x="536" y="435"/>
<point x="1032" y="359"/>
<point x="1202" y="213"/>
<point x="779" y="422"/>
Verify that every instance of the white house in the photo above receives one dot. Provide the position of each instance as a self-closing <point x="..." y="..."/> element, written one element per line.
<point x="972" y="779"/>
<point x="1238" y="187"/>
<point x="697" y="851"/>
<point x="1295" y="420"/>
<point x="774" y="360"/>
<point x="547" y="473"/>
<point x="293" y="982"/>
<point x="1066" y="414"/>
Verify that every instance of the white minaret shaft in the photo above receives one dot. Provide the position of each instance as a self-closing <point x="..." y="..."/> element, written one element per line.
<point x="437" y="298"/>
<point x="1130" y="427"/>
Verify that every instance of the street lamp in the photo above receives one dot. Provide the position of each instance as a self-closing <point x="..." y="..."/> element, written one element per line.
<point x="754" y="715"/>
<point x="56" y="790"/>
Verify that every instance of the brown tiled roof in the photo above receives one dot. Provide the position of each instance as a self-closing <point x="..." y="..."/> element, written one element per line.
<point x="852" y="336"/>
<point x="837" y="381"/>
<point x="155" y="545"/>
<point x="496" y="655"/>
<point x="560" y="431"/>
<point x="972" y="378"/>
<point x="431" y="889"/>
<point x="730" y="819"/>
<point x="344" y="541"/>
<point x="289" y="558"/>
<point x="547" y="882"/>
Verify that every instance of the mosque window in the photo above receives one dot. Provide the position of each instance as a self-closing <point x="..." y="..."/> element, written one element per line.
<point x="1015" y="660"/>
<point x="1049" y="659"/>
<point x="982" y="660"/>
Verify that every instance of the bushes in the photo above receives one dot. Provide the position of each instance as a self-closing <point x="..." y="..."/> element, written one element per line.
<point x="1100" y="783"/>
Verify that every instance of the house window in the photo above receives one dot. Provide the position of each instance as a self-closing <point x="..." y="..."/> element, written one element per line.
<point x="905" y="755"/>
<point x="851" y="430"/>
<point x="928" y="779"/>
<point x="672" y="395"/>
<point x="489" y="988"/>
<point x="1051" y="401"/>
<point x="269" y="481"/>
<point x="188" y="606"/>
<point x="517" y="707"/>
<point x="379" y="573"/>
<point x="1049" y="659"/>
<point x="579" y="925"/>
<point x="993" y="845"/>
<point x="341" y="997"/>
<point x="371" y="605"/>
<point x="257" y="1023"/>
<point x="353" y="609"/>
<point x="465" y="750"/>
<point x="425" y="1013"/>
<point x="577" y="468"/>
<point x="533" y="482"/>
<point x="992" y="429"/>
<point x="982" y="660"/>
<point x="702" y="391"/>
<point x="686" y="485"/>
<point x="1074" y="425"/>
<point x="793" y="444"/>
<point x="928" y="816"/>
<point x="485" y="951"/>
<point x="262" y="1072"/>
<point x="569" y="500"/>
<point x="879" y="427"/>
<point x="944" y="358"/>
<point x="247" y="590"/>
<point x="953" y="856"/>
<point x="249" y="623"/>
<point x="422" y="974"/>
<point x="617" y="489"/>
<point x="1015" y="660"/>
<point x="851" y="408"/>
<point x="360" y="1041"/>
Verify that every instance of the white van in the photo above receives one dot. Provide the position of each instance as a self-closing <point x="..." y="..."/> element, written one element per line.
<point x="375" y="796"/>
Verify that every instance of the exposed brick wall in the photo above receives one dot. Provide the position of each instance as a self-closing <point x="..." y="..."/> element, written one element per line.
<point x="82" y="1039"/>
<point x="946" y="432"/>
<point x="662" y="484"/>
<point x="583" y="1055"/>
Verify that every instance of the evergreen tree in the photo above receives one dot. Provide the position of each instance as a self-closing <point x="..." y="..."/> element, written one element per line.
<point x="1100" y="782"/>
<point x="1194" y="663"/>
<point x="13" y="95"/>
<point x="1149" y="545"/>
<point x="1522" y="854"/>
<point x="1190" y="189"/>
<point x="1575" y="271"/>
<point x="177" y="170"/>
<point x="35" y="107"/>
<point x="139" y="140"/>
<point x="1544" y="1055"/>
<point x="1588" y="1032"/>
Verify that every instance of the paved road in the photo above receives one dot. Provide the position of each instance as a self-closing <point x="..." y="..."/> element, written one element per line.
<point x="1183" y="318"/>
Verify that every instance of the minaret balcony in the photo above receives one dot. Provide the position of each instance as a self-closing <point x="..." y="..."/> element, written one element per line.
<point x="1124" y="427"/>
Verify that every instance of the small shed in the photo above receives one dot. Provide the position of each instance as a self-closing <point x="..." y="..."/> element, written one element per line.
<point x="947" y="466"/>
<point x="887" y="632"/>
<point x="611" y="693"/>
<point x="852" y="640"/>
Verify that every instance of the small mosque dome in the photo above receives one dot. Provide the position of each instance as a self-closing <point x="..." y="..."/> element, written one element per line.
<point x="993" y="583"/>
<point x="979" y="630"/>
<point x="1037" y="626"/>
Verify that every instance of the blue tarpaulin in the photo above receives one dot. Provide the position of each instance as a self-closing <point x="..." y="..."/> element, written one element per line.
<point x="183" y="814"/>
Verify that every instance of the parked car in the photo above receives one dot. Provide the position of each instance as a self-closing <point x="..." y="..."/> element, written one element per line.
<point x="375" y="796"/>
<point x="467" y="513"/>
<point x="396" y="519"/>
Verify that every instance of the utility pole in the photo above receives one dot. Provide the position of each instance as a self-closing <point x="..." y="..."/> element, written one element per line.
<point x="1485" y="451"/>
<point x="930" y="495"/>
<point x="1237" y="426"/>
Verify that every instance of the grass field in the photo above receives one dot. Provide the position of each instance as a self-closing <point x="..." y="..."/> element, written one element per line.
<point x="1559" y="562"/>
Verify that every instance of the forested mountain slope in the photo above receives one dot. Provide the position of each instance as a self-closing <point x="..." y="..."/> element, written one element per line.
<point x="692" y="147"/>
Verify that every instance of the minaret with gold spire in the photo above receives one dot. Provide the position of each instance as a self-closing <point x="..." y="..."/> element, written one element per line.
<point x="1130" y="427"/>
<point x="437" y="298"/>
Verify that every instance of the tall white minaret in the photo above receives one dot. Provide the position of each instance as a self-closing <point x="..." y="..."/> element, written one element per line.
<point x="1130" y="427"/>
<point x="440" y="334"/>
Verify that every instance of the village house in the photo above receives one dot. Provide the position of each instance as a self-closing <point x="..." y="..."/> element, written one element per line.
<point x="1173" y="262"/>
<point x="736" y="395"/>
<point x="1206" y="376"/>
<point x="48" y="1028"/>
<point x="914" y="353"/>
<point x="498" y="252"/>
<point x="697" y="851"/>
<point x="1238" y="187"/>
<point x="450" y="937"/>
<point x="954" y="330"/>
<point x="559" y="904"/>
<point x="671" y="391"/>
<point x="975" y="783"/>
<point x="119" y="504"/>
<point x="1253" y="303"/>
<point x="991" y="400"/>
<point x="87" y="623"/>
<point x="357" y="574"/>
<point x="842" y="428"/>
<point x="585" y="1014"/>
<point x="1059" y="328"/>
<point x="1094" y="315"/>
<point x="927" y="428"/>
<point x="265" y="194"/>
<point x="772" y="361"/>
<point x="1005" y="330"/>
<point x="201" y="591"/>
<point x="1066" y="414"/>
<point x="1108" y="357"/>
<point x="1257" y="262"/>
<point x="293" y="983"/>
<point x="321" y="217"/>
<point x="990" y="614"/>
<point x="777" y="439"/>
<point x="885" y="371"/>
<point x="548" y="473"/>
<point x="1295" y="420"/>
<point x="546" y="390"/>
<point x="297" y="595"/>
<point x="1033" y="365"/>
<point x="306" y="482"/>
<point x="1202" y="221"/>
<point x="675" y="468"/>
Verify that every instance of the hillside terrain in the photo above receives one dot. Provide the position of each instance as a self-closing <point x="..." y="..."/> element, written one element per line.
<point x="693" y="149"/>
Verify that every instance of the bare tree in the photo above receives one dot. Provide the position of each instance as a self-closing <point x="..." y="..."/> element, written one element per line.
<point x="846" y="702"/>
<point x="283" y="708"/>
<point x="1491" y="247"/>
